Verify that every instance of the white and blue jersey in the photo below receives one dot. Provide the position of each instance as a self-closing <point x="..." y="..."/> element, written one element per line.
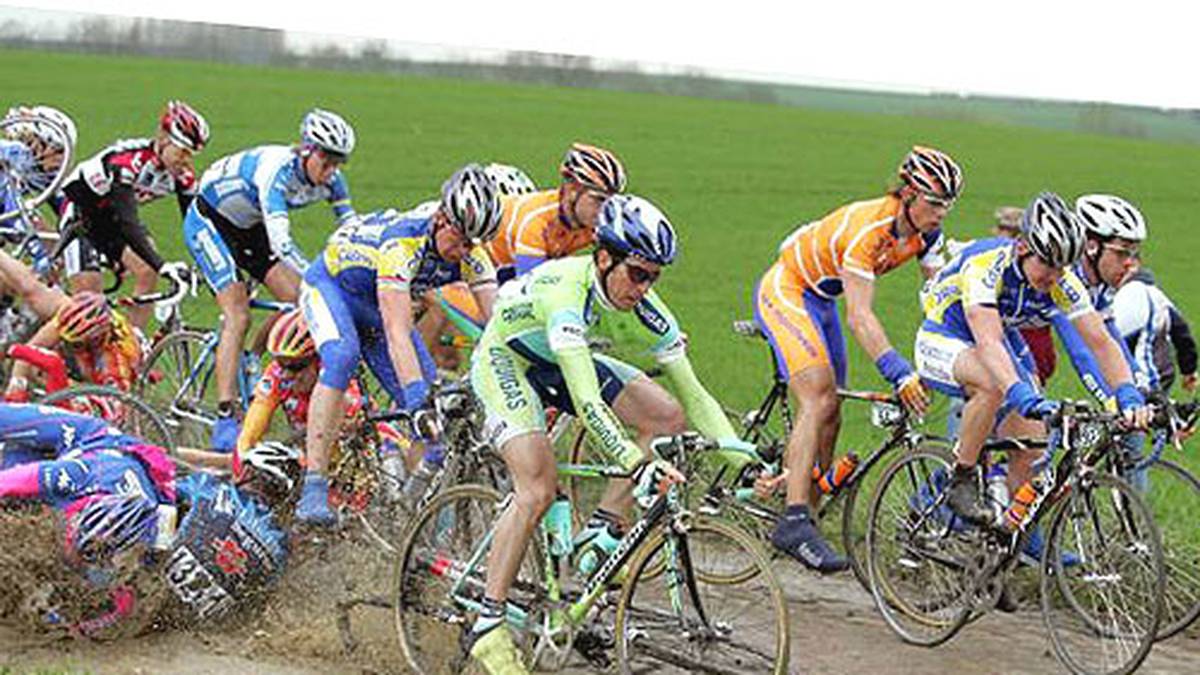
<point x="240" y="219"/>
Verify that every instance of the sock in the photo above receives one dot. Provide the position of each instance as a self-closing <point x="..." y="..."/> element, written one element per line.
<point x="491" y="614"/>
<point x="225" y="409"/>
<point x="19" y="481"/>
<point x="797" y="513"/>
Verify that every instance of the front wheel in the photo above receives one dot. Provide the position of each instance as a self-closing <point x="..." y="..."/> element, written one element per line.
<point x="677" y="619"/>
<point x="178" y="380"/>
<point x="1102" y="578"/>
<point x="120" y="409"/>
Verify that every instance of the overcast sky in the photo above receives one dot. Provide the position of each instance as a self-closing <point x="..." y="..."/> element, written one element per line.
<point x="1143" y="52"/>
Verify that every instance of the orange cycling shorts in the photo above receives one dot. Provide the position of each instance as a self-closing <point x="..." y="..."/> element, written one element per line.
<point x="803" y="328"/>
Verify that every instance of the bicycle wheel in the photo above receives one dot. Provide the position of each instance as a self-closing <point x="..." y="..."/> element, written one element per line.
<point x="42" y="181"/>
<point x="917" y="555"/>
<point x="1173" y="495"/>
<point x="118" y="408"/>
<point x="178" y="381"/>
<point x="679" y="620"/>
<point x="855" y="516"/>
<point x="436" y="587"/>
<point x="1103" y="613"/>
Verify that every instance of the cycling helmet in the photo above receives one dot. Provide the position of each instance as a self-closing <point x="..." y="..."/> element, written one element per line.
<point x="289" y="337"/>
<point x="110" y="524"/>
<point x="1052" y="231"/>
<point x="1108" y="216"/>
<point x="509" y="180"/>
<point x="1008" y="218"/>
<point x="84" y="317"/>
<point x="594" y="168"/>
<point x="273" y="463"/>
<point x="327" y="131"/>
<point x="932" y="172"/>
<point x="472" y="203"/>
<point x="184" y="126"/>
<point x="630" y="225"/>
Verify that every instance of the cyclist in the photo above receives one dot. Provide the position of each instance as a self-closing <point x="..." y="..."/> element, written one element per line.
<point x="968" y="345"/>
<point x="795" y="307"/>
<point x="1151" y="325"/>
<point x="559" y="222"/>
<point x="288" y="383"/>
<point x="454" y="303"/>
<point x="359" y="299"/>
<point x="105" y="191"/>
<point x="534" y="353"/>
<point x="32" y="154"/>
<point x="239" y="224"/>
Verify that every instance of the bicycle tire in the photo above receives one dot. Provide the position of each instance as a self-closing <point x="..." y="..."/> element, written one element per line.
<point x="921" y="588"/>
<point x="1136" y="547"/>
<point x="1176" y="510"/>
<point x="854" y="519"/>
<point x="134" y="417"/>
<point x="54" y="183"/>
<point x="415" y="571"/>
<point x="167" y="384"/>
<point x="690" y="640"/>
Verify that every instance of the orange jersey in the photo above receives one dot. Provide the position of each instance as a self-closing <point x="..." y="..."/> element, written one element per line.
<point x="859" y="237"/>
<point x="531" y="232"/>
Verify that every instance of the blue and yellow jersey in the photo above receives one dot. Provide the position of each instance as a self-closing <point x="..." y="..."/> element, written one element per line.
<point x="391" y="249"/>
<point x="987" y="272"/>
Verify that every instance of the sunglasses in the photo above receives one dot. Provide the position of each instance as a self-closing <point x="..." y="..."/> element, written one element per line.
<point x="937" y="202"/>
<point x="640" y="275"/>
<point x="295" y="365"/>
<point x="1123" y="253"/>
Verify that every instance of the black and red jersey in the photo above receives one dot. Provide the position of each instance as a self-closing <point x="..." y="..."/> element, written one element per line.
<point x="129" y="163"/>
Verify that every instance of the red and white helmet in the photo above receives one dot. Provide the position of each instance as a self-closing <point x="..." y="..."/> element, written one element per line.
<point x="184" y="126"/>
<point x="932" y="172"/>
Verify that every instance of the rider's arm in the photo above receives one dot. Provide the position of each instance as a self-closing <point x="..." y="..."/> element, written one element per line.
<point x="988" y="333"/>
<point x="395" y="308"/>
<point x="339" y="198"/>
<point x="1082" y="358"/>
<point x="277" y="224"/>
<point x="1181" y="338"/>
<point x="860" y="316"/>
<point x="258" y="416"/>
<point x="701" y="408"/>
<point x="125" y="208"/>
<point x="1109" y="355"/>
<point x="485" y="297"/>
<point x="480" y="275"/>
<point x="45" y="337"/>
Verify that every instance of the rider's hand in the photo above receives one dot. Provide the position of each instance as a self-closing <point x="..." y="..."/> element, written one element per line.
<point x="652" y="478"/>
<point x="16" y="396"/>
<point x="1134" y="411"/>
<point x="913" y="394"/>
<point x="179" y="273"/>
<point x="415" y="393"/>
<point x="766" y="484"/>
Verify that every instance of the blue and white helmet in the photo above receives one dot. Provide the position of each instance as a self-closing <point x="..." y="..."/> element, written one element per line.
<point x="509" y="180"/>
<point x="328" y="131"/>
<point x="112" y="523"/>
<point x="631" y="225"/>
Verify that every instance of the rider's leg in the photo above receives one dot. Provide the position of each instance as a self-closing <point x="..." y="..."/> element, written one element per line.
<point x="816" y="396"/>
<point x="145" y="278"/>
<point x="283" y="282"/>
<point x="652" y="411"/>
<point x="235" y="313"/>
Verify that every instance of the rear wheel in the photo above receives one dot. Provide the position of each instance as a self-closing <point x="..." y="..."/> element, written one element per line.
<point x="178" y="381"/>
<point x="120" y="409"/>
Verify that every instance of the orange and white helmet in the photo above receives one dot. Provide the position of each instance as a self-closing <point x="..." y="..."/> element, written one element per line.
<point x="289" y="337"/>
<point x="84" y="317"/>
<point x="932" y="172"/>
<point x="593" y="167"/>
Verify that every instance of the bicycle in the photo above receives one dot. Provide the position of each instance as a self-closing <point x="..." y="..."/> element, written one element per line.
<point x="715" y="492"/>
<point x="931" y="573"/>
<point x="178" y="376"/>
<point x="665" y="618"/>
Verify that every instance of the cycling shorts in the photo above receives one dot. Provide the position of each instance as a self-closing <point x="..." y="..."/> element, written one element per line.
<point x="804" y="329"/>
<point x="222" y="250"/>
<point x="935" y="356"/>
<point x="347" y="327"/>
<point x="515" y="396"/>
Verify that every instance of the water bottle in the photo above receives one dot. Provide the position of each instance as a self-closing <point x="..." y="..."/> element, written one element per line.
<point x="997" y="490"/>
<point x="557" y="525"/>
<point x="1022" y="503"/>
<point x="833" y="478"/>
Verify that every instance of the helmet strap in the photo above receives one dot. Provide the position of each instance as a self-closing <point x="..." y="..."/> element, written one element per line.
<point x="616" y="258"/>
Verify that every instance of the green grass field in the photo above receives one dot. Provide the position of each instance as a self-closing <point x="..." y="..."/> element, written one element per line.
<point x="734" y="177"/>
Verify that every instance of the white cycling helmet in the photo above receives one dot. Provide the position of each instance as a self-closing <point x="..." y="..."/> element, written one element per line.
<point x="509" y="180"/>
<point x="472" y="202"/>
<point x="275" y="463"/>
<point x="1107" y="216"/>
<point x="327" y="131"/>
<point x="1052" y="231"/>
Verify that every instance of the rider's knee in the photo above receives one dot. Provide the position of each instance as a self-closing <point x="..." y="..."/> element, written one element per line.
<point x="339" y="358"/>
<point x="144" y="278"/>
<point x="535" y="496"/>
<point x="237" y="318"/>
